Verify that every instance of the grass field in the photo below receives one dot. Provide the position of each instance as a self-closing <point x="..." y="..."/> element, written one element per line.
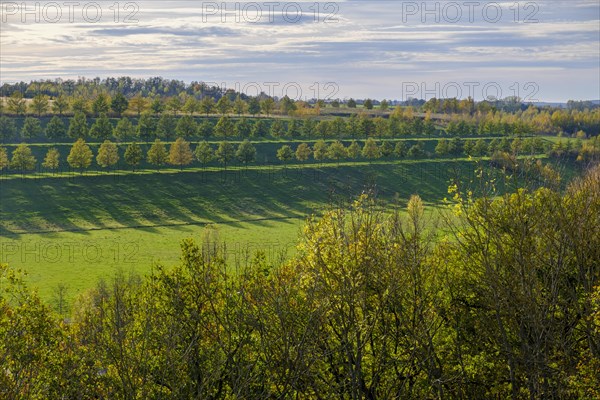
<point x="75" y="230"/>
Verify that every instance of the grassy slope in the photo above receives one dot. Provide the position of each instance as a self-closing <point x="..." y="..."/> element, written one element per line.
<point x="75" y="230"/>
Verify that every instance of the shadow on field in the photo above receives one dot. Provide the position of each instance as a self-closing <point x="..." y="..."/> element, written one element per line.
<point x="257" y="196"/>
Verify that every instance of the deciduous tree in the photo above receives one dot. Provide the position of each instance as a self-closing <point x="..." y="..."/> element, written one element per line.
<point x="278" y="129"/>
<point x="180" y="153"/>
<point x="186" y="126"/>
<point x="39" y="104"/>
<point x="133" y="155"/>
<point x="52" y="159"/>
<point x="101" y="105"/>
<point x="224" y="127"/>
<point x="78" y="127"/>
<point x="157" y="107"/>
<point x="267" y="106"/>
<point x="138" y="104"/>
<point x="239" y="106"/>
<point x="442" y="148"/>
<point x="80" y="155"/>
<point x="370" y="150"/>
<point x="174" y="104"/>
<point x="60" y="105"/>
<point x="79" y="105"/>
<point x="108" y="154"/>
<point x="204" y="153"/>
<point x="303" y="152"/>
<point x="16" y="104"/>
<point x="224" y="105"/>
<point x="253" y="106"/>
<point x="386" y="149"/>
<point x="400" y="149"/>
<point x="102" y="127"/>
<point x="205" y="129"/>
<point x="336" y="151"/>
<point x="146" y="127"/>
<point x="354" y="150"/>
<point x="242" y="128"/>
<point x="285" y="154"/>
<point x="23" y="159"/>
<point x="124" y="129"/>
<point x="246" y="153"/>
<point x="7" y="128"/>
<point x="225" y="153"/>
<point x="32" y="127"/>
<point x="56" y="128"/>
<point x="157" y="154"/>
<point x="166" y="126"/>
<point x="320" y="150"/>
<point x="192" y="106"/>
<point x="259" y="129"/>
<point x="4" y="162"/>
<point x="207" y="105"/>
<point x="119" y="103"/>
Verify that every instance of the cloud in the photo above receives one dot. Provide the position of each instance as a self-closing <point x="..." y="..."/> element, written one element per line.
<point x="193" y="32"/>
<point x="366" y="47"/>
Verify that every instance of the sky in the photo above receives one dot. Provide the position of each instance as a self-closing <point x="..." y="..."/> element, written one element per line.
<point x="545" y="50"/>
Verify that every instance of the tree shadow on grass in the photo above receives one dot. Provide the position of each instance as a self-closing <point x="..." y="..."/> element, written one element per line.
<point x="195" y="198"/>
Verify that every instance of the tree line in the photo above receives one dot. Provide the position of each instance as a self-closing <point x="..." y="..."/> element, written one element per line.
<point x="181" y="154"/>
<point x="458" y="117"/>
<point x="148" y="127"/>
<point x="378" y="303"/>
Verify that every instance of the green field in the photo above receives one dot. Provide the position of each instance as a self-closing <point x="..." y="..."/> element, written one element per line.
<point x="73" y="230"/>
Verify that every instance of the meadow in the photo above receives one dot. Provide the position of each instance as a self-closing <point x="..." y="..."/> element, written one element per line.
<point x="72" y="230"/>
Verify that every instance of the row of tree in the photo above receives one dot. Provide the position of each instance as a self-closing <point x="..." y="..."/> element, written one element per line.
<point x="505" y="303"/>
<point x="81" y="155"/>
<point x="166" y="88"/>
<point x="168" y="126"/>
<point x="41" y="105"/>
<point x="400" y="123"/>
<point x="533" y="120"/>
<point x="180" y="153"/>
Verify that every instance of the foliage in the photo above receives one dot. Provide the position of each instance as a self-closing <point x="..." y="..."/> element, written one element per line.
<point x="204" y="153"/>
<point x="7" y="128"/>
<point x="285" y="153"/>
<point x="22" y="158"/>
<point x="80" y="155"/>
<point x="157" y="154"/>
<point x="78" y="127"/>
<point x="56" y="128"/>
<point x="303" y="152"/>
<point x="246" y="152"/>
<point x="133" y="155"/>
<point x="52" y="159"/>
<point x="180" y="153"/>
<point x="102" y="128"/>
<point x="225" y="153"/>
<point x="32" y="127"/>
<point x="4" y="161"/>
<point x="124" y="129"/>
<point x="108" y="154"/>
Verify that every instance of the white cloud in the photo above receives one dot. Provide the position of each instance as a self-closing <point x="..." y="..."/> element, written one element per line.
<point x="364" y="51"/>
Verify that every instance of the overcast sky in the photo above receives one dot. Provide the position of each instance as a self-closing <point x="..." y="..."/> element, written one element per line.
<point x="542" y="51"/>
